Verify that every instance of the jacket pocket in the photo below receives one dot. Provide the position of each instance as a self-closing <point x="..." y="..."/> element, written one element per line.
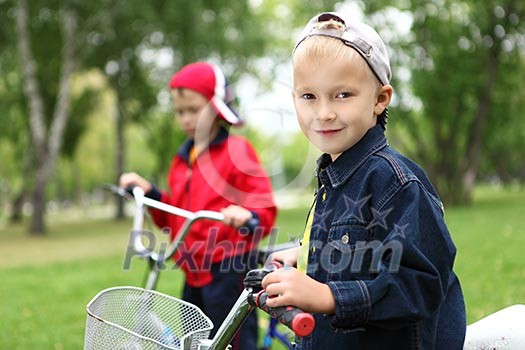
<point x="346" y="256"/>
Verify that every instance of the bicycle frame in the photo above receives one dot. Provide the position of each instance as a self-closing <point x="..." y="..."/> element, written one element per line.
<point x="254" y="296"/>
<point x="273" y="333"/>
<point x="231" y="324"/>
<point x="244" y="304"/>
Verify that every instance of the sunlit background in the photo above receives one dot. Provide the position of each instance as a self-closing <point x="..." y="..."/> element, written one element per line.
<point x="84" y="97"/>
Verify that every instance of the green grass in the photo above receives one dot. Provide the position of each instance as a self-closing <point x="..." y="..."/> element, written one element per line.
<point x="490" y="238"/>
<point x="46" y="282"/>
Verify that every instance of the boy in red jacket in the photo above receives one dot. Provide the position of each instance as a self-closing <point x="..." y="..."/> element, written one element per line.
<point x="213" y="170"/>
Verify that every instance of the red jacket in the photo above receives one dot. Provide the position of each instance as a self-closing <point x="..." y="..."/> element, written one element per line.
<point x="228" y="172"/>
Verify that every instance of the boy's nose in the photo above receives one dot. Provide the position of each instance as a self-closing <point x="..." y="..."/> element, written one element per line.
<point x="325" y="113"/>
<point x="184" y="118"/>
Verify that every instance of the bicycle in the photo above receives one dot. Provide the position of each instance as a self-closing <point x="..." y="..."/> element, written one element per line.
<point x="157" y="260"/>
<point x="501" y="330"/>
<point x="136" y="318"/>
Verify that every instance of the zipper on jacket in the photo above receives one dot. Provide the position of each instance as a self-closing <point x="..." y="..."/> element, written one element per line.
<point x="189" y="173"/>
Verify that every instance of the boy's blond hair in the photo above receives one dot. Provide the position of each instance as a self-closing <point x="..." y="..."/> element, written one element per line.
<point x="318" y="49"/>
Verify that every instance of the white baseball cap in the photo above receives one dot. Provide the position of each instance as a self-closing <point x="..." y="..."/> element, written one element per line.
<point x="359" y="36"/>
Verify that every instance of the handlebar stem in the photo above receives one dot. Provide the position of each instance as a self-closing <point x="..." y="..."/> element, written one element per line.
<point x="232" y="322"/>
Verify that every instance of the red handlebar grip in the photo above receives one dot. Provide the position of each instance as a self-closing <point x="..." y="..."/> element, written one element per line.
<point x="303" y="324"/>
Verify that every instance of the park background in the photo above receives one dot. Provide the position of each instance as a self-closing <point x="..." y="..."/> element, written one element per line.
<point x="83" y="95"/>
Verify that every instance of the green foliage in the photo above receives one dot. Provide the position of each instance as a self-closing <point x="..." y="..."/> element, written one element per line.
<point x="299" y="161"/>
<point x="78" y="121"/>
<point x="440" y="73"/>
<point x="163" y="138"/>
<point x="465" y="62"/>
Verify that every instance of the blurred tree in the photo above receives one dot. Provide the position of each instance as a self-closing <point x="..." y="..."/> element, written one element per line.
<point x="160" y="38"/>
<point x="46" y="132"/>
<point x="19" y="184"/>
<point x="13" y="132"/>
<point x="38" y="119"/>
<point x="15" y="126"/>
<point x="505" y="137"/>
<point x="461" y="57"/>
<point x="163" y="140"/>
<point x="128" y="41"/>
<point x="113" y="40"/>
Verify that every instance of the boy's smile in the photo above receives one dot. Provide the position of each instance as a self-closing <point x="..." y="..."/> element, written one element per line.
<point x="336" y="103"/>
<point x="327" y="132"/>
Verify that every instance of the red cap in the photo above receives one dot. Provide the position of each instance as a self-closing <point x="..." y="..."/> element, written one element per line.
<point x="208" y="80"/>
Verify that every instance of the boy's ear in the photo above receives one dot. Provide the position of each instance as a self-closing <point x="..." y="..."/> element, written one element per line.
<point x="383" y="99"/>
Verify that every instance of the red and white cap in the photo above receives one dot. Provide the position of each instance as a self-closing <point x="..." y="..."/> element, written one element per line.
<point x="208" y="80"/>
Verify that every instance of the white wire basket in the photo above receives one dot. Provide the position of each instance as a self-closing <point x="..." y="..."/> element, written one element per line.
<point x="133" y="318"/>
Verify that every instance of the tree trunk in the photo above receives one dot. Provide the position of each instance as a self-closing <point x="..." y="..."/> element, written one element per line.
<point x="503" y="174"/>
<point x="120" y="149"/>
<point x="47" y="145"/>
<point x="38" y="200"/>
<point x="30" y="84"/>
<point x="478" y="129"/>
<point x="17" y="207"/>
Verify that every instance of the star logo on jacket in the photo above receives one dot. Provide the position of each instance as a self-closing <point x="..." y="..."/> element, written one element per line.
<point x="352" y="207"/>
<point x="399" y="231"/>
<point x="324" y="222"/>
<point x="293" y="238"/>
<point x="379" y="218"/>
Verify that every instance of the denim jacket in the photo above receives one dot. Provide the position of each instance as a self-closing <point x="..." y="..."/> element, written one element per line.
<point x="379" y="241"/>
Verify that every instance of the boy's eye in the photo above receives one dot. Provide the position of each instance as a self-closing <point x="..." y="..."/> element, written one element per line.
<point x="308" y="96"/>
<point x="343" y="95"/>
<point x="189" y="110"/>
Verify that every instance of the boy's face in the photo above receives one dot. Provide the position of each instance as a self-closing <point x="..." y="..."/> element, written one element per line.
<point x="195" y="115"/>
<point x="336" y="102"/>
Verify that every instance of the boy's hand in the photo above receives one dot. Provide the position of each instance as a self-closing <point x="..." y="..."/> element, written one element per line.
<point x="236" y="216"/>
<point x="133" y="179"/>
<point x="289" y="287"/>
<point x="287" y="257"/>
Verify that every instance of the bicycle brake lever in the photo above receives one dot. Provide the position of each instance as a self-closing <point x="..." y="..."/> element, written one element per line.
<point x="126" y="193"/>
<point x="253" y="278"/>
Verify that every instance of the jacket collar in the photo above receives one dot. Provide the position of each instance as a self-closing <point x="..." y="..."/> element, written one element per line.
<point x="338" y="172"/>
<point x="187" y="145"/>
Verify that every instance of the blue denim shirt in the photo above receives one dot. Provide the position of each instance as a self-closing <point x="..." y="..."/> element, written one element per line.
<point x="379" y="241"/>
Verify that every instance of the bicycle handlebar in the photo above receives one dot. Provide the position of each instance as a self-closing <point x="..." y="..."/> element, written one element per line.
<point x="141" y="201"/>
<point x="124" y="193"/>
<point x="300" y="322"/>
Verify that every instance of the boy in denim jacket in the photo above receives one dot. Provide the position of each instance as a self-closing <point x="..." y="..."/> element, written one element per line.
<point x="377" y="254"/>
